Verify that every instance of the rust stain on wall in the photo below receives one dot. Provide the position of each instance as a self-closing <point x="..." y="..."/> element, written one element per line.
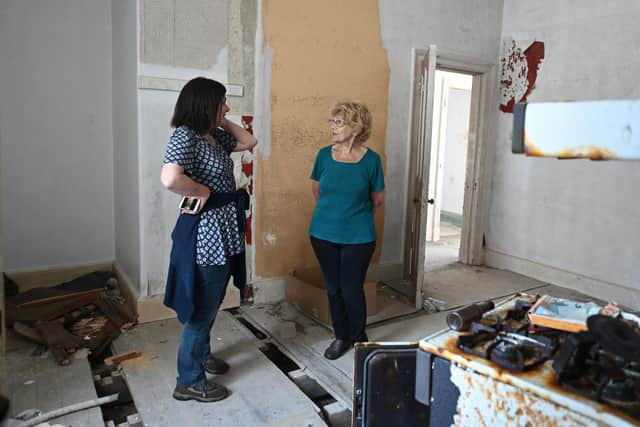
<point x="518" y="73"/>
<point x="322" y="52"/>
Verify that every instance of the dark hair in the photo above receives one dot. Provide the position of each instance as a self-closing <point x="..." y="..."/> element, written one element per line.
<point x="198" y="104"/>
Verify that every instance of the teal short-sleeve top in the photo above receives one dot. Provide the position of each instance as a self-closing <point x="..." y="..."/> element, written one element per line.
<point x="344" y="211"/>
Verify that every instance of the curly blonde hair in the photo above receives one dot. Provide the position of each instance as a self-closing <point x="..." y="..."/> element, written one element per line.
<point x="356" y="115"/>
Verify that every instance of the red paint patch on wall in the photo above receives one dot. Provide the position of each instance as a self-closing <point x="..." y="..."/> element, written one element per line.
<point x="518" y="74"/>
<point x="247" y="169"/>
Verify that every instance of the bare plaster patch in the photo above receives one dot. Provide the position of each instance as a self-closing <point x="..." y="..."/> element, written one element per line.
<point x="269" y="238"/>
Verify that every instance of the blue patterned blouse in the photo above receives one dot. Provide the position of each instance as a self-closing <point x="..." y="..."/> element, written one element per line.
<point x="218" y="235"/>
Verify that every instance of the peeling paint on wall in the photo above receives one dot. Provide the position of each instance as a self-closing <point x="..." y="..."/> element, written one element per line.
<point x="518" y="72"/>
<point x="314" y="54"/>
<point x="247" y="176"/>
<point x="269" y="238"/>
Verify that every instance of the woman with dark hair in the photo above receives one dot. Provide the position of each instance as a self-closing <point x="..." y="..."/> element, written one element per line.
<point x="197" y="164"/>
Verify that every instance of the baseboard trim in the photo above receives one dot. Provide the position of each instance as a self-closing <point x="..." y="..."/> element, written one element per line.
<point x="269" y="291"/>
<point x="451" y="218"/>
<point x="51" y="276"/>
<point x="385" y="271"/>
<point x="127" y="286"/>
<point x="152" y="309"/>
<point x="607" y="291"/>
<point x="272" y="290"/>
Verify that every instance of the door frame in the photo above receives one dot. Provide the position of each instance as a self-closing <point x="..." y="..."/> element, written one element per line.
<point x="477" y="180"/>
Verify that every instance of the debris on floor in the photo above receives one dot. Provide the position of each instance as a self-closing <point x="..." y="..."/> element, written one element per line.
<point x="122" y="356"/>
<point x="87" y="312"/>
<point x="35" y="417"/>
<point x="433" y="305"/>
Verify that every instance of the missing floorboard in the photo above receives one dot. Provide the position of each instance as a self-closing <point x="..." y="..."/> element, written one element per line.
<point x="308" y="385"/>
<point x="281" y="360"/>
<point x="311" y="388"/>
<point x="108" y="379"/>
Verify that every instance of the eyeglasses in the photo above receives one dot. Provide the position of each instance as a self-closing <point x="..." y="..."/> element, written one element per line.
<point x="337" y="123"/>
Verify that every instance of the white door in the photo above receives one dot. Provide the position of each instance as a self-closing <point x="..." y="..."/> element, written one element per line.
<point x="438" y="137"/>
<point x="422" y="119"/>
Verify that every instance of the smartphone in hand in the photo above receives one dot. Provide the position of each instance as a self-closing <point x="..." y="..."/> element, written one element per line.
<point x="190" y="204"/>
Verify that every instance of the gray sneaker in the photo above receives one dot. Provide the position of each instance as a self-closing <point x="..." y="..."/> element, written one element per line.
<point x="207" y="392"/>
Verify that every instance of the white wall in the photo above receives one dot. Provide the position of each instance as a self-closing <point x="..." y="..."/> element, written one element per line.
<point x="203" y="35"/>
<point x="56" y="132"/>
<point x="158" y="211"/>
<point x="466" y="27"/>
<point x="572" y="222"/>
<point x="124" y="18"/>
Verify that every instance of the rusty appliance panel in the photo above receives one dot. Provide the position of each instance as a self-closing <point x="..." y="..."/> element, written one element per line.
<point x="507" y="374"/>
<point x="596" y="130"/>
<point x="500" y="372"/>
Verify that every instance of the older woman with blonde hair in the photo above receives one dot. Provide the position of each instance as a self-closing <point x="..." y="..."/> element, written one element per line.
<point x="348" y="184"/>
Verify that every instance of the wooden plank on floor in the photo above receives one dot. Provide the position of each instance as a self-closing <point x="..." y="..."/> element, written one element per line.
<point x="39" y="382"/>
<point x="262" y="395"/>
<point x="304" y="340"/>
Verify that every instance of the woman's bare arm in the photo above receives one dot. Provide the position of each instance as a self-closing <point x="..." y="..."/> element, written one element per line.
<point x="173" y="178"/>
<point x="246" y="141"/>
<point x="377" y="199"/>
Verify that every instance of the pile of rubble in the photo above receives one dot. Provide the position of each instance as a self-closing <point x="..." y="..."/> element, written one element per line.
<point x="86" y="312"/>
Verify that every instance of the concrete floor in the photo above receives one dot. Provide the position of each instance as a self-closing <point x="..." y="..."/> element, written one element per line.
<point x="303" y="341"/>
<point x="263" y="393"/>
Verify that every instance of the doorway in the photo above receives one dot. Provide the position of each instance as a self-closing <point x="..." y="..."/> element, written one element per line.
<point x="426" y="178"/>
<point x="448" y="166"/>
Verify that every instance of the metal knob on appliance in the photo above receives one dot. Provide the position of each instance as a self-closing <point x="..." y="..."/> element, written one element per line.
<point x="460" y="320"/>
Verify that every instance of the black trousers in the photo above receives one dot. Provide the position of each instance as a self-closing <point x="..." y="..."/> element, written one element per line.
<point x="344" y="268"/>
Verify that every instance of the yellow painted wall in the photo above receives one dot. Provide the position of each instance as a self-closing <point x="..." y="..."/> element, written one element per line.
<point x="322" y="51"/>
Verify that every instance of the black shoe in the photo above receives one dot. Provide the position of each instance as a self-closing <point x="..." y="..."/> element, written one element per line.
<point x="216" y="366"/>
<point x="337" y="348"/>
<point x="207" y="392"/>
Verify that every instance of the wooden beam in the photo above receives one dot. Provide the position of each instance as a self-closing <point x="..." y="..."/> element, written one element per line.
<point x="121" y="357"/>
<point x="57" y="298"/>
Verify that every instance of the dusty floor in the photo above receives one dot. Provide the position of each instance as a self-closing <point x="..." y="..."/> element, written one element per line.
<point x="35" y="380"/>
<point x="445" y="251"/>
<point x="278" y="375"/>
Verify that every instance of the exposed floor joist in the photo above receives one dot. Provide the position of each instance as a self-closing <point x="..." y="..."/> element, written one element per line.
<point x="261" y="394"/>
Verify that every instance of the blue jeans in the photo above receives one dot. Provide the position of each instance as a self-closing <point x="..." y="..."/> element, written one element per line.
<point x="195" y="343"/>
